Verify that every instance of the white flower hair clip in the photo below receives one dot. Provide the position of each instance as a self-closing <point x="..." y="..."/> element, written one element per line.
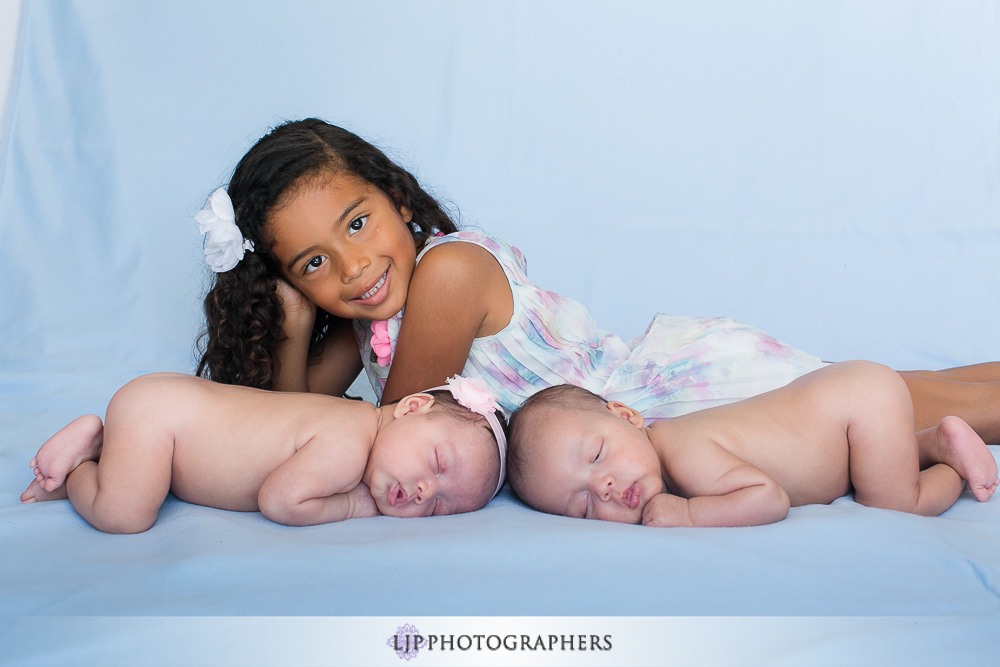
<point x="224" y="245"/>
<point x="473" y="394"/>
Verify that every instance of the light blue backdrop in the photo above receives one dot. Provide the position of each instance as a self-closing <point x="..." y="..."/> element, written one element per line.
<point x="828" y="171"/>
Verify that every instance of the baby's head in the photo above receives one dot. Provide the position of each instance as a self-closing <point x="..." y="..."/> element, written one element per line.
<point x="272" y="197"/>
<point x="433" y="455"/>
<point x="575" y="454"/>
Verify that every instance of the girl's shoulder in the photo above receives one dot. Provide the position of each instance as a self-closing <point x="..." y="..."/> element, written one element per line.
<point x="509" y="257"/>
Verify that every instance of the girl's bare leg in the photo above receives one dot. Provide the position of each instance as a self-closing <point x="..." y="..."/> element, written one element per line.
<point x="986" y="372"/>
<point x="936" y="397"/>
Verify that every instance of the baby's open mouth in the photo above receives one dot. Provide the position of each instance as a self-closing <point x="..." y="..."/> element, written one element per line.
<point x="397" y="495"/>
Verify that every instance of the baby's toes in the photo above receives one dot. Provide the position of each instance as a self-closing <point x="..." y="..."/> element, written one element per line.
<point x="51" y="483"/>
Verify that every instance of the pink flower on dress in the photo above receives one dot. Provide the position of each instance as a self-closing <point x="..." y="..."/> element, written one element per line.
<point x="381" y="342"/>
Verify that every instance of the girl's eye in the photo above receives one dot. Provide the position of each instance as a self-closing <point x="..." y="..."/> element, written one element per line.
<point x="599" y="451"/>
<point x="313" y="264"/>
<point x="357" y="225"/>
<point x="437" y="463"/>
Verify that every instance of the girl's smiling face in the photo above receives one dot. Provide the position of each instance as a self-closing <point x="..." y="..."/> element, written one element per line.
<point x="342" y="242"/>
<point x="590" y="464"/>
<point x="426" y="462"/>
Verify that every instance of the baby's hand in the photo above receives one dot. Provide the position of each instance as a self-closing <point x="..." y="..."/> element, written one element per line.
<point x="667" y="511"/>
<point x="362" y="503"/>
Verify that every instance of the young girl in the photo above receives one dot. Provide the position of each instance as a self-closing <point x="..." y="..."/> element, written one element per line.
<point x="301" y="459"/>
<point x="343" y="238"/>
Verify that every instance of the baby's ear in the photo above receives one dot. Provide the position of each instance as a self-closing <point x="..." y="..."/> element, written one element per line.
<point x="413" y="404"/>
<point x="619" y="409"/>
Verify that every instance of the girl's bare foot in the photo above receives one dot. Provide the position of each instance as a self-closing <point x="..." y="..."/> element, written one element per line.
<point x="962" y="449"/>
<point x="78" y="441"/>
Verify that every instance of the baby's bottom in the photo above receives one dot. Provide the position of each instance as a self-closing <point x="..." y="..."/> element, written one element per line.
<point x="123" y="490"/>
<point x="892" y="470"/>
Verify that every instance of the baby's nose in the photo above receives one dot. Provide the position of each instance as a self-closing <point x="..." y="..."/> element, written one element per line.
<point x="426" y="490"/>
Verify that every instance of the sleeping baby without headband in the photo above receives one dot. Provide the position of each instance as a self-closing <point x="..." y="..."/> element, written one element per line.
<point x="472" y="394"/>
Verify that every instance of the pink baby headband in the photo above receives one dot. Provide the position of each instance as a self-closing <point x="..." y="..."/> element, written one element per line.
<point x="473" y="394"/>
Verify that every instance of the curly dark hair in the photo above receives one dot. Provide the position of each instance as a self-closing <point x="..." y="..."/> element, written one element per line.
<point x="243" y="333"/>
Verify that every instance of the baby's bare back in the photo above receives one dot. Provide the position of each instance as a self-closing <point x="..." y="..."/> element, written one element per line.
<point x="228" y="439"/>
<point x="797" y="434"/>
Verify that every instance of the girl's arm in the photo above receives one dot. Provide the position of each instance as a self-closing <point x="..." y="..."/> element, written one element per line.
<point x="319" y="483"/>
<point x="458" y="292"/>
<point x="335" y="369"/>
<point x="297" y="325"/>
<point x="719" y="489"/>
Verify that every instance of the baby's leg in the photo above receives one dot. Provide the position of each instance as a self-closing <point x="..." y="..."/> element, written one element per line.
<point x="123" y="490"/>
<point x="955" y="444"/>
<point x="884" y="455"/>
<point x="78" y="441"/>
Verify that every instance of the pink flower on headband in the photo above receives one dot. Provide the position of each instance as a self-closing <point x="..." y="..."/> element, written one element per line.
<point x="473" y="394"/>
<point x="382" y="342"/>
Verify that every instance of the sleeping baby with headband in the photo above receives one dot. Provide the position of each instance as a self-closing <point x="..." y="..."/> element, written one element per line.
<point x="300" y="459"/>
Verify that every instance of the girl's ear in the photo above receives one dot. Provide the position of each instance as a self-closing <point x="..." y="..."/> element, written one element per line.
<point x="413" y="404"/>
<point x="622" y="411"/>
<point x="404" y="210"/>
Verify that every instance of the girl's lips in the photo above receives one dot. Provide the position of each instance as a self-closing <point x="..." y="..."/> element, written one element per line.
<point x="397" y="496"/>
<point x="632" y="496"/>
<point x="376" y="293"/>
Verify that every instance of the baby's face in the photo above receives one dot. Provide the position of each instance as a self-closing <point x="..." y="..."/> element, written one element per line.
<point x="432" y="464"/>
<point x="590" y="464"/>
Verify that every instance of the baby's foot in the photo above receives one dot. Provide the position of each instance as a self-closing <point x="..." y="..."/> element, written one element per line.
<point x="78" y="441"/>
<point x="36" y="494"/>
<point x="965" y="451"/>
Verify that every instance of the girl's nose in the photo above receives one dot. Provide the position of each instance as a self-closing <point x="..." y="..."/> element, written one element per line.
<point x="353" y="261"/>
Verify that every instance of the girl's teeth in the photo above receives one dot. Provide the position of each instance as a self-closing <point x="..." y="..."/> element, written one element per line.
<point x="371" y="292"/>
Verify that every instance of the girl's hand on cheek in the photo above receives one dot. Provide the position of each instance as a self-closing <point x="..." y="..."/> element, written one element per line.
<point x="300" y="312"/>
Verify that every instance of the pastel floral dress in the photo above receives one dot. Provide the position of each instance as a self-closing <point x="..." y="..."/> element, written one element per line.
<point x="679" y="365"/>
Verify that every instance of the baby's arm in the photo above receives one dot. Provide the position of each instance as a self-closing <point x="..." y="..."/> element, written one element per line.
<point x="319" y="483"/>
<point x="716" y="487"/>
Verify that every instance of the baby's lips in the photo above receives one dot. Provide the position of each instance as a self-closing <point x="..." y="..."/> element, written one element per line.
<point x="632" y="496"/>
<point x="397" y="495"/>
